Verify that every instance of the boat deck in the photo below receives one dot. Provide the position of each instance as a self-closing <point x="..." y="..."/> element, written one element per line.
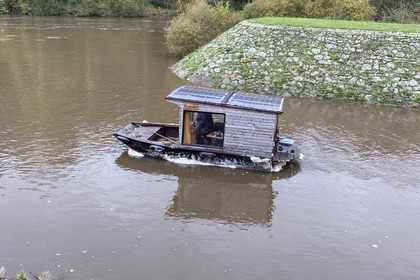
<point x="148" y="132"/>
<point x="154" y="133"/>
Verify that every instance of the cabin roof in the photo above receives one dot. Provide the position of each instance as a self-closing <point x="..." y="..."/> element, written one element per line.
<point x="241" y="100"/>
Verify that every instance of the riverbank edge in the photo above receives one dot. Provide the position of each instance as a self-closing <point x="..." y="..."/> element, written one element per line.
<point x="372" y="67"/>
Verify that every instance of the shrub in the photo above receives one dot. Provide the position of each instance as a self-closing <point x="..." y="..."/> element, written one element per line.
<point x="125" y="8"/>
<point x="404" y="13"/>
<point x="47" y="7"/>
<point x="85" y="8"/>
<point x="270" y="8"/>
<point x="340" y="9"/>
<point x="401" y="11"/>
<point x="331" y="9"/>
<point x="128" y="8"/>
<point x="199" y="24"/>
<point x="3" y="9"/>
<point x="191" y="29"/>
<point x="225" y="19"/>
<point x="166" y="4"/>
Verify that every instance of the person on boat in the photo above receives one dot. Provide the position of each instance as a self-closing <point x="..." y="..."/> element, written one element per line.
<point x="205" y="125"/>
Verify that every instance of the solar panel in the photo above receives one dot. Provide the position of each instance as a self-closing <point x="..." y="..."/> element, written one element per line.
<point x="254" y="101"/>
<point x="198" y="95"/>
<point x="226" y="98"/>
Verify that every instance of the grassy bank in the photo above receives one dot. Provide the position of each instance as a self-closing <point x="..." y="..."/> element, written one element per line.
<point x="339" y="24"/>
<point x="320" y="63"/>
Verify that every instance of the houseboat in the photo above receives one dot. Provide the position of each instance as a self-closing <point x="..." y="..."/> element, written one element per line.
<point x="223" y="128"/>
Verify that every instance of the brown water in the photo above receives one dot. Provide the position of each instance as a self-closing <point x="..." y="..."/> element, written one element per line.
<point x="72" y="199"/>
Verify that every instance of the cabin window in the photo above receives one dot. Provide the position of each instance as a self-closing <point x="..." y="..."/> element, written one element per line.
<point x="203" y="128"/>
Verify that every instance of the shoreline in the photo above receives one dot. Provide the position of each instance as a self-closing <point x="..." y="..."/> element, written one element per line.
<point x="373" y="67"/>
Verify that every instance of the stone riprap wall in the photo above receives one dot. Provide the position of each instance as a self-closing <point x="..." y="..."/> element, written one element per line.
<point x="367" y="66"/>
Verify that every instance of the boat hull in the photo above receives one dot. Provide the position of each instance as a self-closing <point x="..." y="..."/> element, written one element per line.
<point x="144" y="139"/>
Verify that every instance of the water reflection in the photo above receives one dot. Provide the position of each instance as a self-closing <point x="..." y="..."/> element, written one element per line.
<point x="220" y="194"/>
<point x="220" y="200"/>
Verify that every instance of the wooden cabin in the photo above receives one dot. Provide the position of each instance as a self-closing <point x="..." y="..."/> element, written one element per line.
<point x="226" y="121"/>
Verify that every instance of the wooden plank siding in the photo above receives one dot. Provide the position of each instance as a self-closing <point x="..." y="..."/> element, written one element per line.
<point x="247" y="132"/>
<point x="250" y="133"/>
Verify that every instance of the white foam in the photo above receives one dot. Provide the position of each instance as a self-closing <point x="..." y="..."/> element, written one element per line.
<point x="276" y="168"/>
<point x="259" y="160"/>
<point x="194" y="161"/>
<point x="135" y="154"/>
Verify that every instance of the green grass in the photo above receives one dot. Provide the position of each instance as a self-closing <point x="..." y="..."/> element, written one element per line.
<point x="338" y="24"/>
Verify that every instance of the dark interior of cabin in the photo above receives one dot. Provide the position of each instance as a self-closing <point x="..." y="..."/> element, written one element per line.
<point x="203" y="128"/>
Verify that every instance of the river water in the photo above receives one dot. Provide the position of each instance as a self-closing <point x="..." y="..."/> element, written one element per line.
<point x="73" y="201"/>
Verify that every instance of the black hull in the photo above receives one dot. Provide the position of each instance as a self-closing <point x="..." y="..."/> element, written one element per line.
<point x="164" y="145"/>
<point x="218" y="159"/>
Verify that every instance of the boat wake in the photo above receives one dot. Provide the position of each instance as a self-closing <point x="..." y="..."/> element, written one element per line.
<point x="197" y="161"/>
<point x="134" y="154"/>
<point x="233" y="164"/>
<point x="224" y="163"/>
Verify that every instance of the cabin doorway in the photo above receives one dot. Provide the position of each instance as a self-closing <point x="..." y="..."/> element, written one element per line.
<point x="203" y="128"/>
